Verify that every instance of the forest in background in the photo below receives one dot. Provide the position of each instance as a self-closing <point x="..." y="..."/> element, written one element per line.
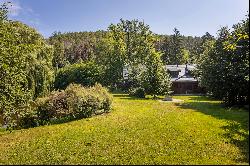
<point x="75" y="46"/>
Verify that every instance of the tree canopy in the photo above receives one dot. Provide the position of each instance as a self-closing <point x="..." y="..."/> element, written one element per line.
<point x="224" y="68"/>
<point x="25" y="66"/>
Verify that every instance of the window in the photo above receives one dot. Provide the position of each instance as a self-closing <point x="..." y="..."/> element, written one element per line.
<point x="174" y="74"/>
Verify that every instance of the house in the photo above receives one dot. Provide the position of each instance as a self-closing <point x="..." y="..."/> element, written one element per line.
<point x="183" y="81"/>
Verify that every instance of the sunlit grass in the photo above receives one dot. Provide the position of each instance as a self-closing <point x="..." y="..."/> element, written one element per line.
<point x="137" y="131"/>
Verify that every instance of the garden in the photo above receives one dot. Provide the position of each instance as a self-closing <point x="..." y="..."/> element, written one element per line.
<point x="65" y="100"/>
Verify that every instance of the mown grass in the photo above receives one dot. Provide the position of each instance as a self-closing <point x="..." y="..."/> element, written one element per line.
<point x="138" y="131"/>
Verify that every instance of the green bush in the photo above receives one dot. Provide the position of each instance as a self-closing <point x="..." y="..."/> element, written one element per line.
<point x="74" y="102"/>
<point x="86" y="74"/>
<point x="53" y="106"/>
<point x="24" y="117"/>
<point x="27" y="119"/>
<point x="137" y="92"/>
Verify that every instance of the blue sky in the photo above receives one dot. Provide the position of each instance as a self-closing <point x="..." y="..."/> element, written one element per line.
<point x="191" y="17"/>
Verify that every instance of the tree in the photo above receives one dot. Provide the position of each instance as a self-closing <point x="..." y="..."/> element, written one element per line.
<point x="59" y="59"/>
<point x="172" y="49"/>
<point x="166" y="48"/>
<point x="177" y="57"/>
<point x="131" y="44"/>
<point x="127" y="44"/>
<point x="4" y="11"/>
<point x="25" y="68"/>
<point x="213" y="74"/>
<point x="155" y="79"/>
<point x="111" y="57"/>
<point x="73" y="47"/>
<point x="205" y="39"/>
<point x="224" y="70"/>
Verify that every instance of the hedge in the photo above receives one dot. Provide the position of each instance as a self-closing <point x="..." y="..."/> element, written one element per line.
<point x="86" y="74"/>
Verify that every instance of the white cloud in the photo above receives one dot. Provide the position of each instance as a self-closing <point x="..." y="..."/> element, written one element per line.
<point x="20" y="11"/>
<point x="24" y="13"/>
<point x="15" y="9"/>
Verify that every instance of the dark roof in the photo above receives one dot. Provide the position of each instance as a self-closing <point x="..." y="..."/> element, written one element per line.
<point x="183" y="77"/>
<point x="180" y="67"/>
<point x="173" y="69"/>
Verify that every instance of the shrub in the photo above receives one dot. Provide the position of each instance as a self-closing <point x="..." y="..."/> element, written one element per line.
<point x="86" y="74"/>
<point x="27" y="119"/>
<point x="23" y="117"/>
<point x="74" y="102"/>
<point x="137" y="92"/>
<point x="52" y="107"/>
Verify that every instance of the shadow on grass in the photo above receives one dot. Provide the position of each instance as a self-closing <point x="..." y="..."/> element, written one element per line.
<point x="121" y="95"/>
<point x="237" y="130"/>
<point x="201" y="98"/>
<point x="54" y="121"/>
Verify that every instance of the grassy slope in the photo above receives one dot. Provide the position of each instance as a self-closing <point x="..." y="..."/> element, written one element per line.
<point x="198" y="131"/>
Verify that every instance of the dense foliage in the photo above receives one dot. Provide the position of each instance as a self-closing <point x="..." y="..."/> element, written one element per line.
<point x="127" y="44"/>
<point x="155" y="80"/>
<point x="180" y="49"/>
<point x="173" y="49"/>
<point x="25" y="68"/>
<point x="74" y="47"/>
<point x="74" y="102"/>
<point x="86" y="74"/>
<point x="130" y="45"/>
<point x="224" y="69"/>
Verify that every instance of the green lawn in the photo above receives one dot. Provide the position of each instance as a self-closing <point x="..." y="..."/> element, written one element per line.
<point x="137" y="131"/>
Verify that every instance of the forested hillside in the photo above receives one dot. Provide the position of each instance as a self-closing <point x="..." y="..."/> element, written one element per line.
<point x="72" y="46"/>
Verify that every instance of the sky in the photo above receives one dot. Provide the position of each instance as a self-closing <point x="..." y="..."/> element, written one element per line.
<point x="190" y="17"/>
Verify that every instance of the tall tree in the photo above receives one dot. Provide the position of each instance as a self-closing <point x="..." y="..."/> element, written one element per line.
<point x="155" y="79"/>
<point x="173" y="49"/>
<point x="128" y="42"/>
<point x="131" y="45"/>
<point x="224" y="70"/>
<point x="205" y="39"/>
<point x="177" y="57"/>
<point x="25" y="70"/>
<point x="4" y="11"/>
